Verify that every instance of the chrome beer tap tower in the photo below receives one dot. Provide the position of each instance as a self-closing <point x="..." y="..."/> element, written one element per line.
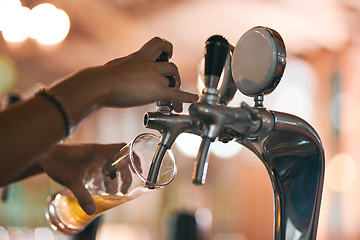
<point x="289" y="147"/>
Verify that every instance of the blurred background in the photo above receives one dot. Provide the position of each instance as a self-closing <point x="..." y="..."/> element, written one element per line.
<point x="42" y="42"/>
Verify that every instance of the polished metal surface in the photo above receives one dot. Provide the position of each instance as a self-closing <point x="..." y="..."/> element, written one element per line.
<point x="259" y="61"/>
<point x="294" y="158"/>
<point x="289" y="147"/>
<point x="169" y="125"/>
<point x="226" y="87"/>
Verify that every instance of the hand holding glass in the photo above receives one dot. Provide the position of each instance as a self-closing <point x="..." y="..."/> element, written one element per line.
<point x="120" y="180"/>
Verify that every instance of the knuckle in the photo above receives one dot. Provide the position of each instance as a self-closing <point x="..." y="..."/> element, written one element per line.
<point x="157" y="39"/>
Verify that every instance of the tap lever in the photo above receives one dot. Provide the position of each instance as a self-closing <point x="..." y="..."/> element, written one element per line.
<point x="165" y="106"/>
<point x="216" y="51"/>
<point x="253" y="113"/>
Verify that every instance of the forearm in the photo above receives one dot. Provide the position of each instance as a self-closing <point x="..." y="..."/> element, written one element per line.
<point x="31" y="127"/>
<point x="81" y="93"/>
<point x="27" y="129"/>
<point x="23" y="173"/>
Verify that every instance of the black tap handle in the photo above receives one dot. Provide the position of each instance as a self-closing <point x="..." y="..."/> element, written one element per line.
<point x="216" y="52"/>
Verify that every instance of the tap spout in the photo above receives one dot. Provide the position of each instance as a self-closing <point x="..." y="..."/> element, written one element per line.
<point x="201" y="165"/>
<point x="156" y="164"/>
<point x="169" y="126"/>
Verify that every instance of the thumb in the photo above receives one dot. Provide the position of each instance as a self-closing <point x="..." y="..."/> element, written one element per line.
<point x="84" y="198"/>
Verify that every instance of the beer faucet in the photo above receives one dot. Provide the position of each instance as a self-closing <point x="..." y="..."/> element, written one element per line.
<point x="288" y="146"/>
<point x="170" y="125"/>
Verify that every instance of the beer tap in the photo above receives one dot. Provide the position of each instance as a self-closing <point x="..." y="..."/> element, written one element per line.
<point x="216" y="117"/>
<point x="288" y="146"/>
<point x="170" y="125"/>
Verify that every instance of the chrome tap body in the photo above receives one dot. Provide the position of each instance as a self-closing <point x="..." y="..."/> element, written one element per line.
<point x="294" y="158"/>
<point x="289" y="147"/>
<point x="169" y="125"/>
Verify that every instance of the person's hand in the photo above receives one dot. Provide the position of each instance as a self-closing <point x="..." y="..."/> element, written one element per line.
<point x="70" y="164"/>
<point x="134" y="80"/>
<point x="120" y="167"/>
<point x="139" y="80"/>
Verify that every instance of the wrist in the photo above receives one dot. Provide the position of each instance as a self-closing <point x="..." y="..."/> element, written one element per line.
<point x="81" y="93"/>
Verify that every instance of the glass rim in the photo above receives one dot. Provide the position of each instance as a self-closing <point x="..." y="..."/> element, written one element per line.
<point x="151" y="184"/>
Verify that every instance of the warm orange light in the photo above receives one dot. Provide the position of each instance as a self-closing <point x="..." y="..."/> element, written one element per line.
<point x="7" y="9"/>
<point x="49" y="25"/>
<point x="17" y="25"/>
<point x="45" y="23"/>
<point x="340" y="172"/>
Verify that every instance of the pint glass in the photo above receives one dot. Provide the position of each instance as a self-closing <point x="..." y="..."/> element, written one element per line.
<point x="120" y="180"/>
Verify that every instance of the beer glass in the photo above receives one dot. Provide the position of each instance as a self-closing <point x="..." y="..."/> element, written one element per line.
<point x="121" y="179"/>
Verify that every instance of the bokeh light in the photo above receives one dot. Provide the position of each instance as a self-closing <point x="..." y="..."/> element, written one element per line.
<point x="340" y="172"/>
<point x="49" y="24"/>
<point x="4" y="235"/>
<point x="296" y="91"/>
<point x="43" y="233"/>
<point x="17" y="26"/>
<point x="225" y="150"/>
<point x="7" y="75"/>
<point x="45" y="23"/>
<point x="204" y="218"/>
<point x="340" y="107"/>
<point x="188" y="144"/>
<point x="7" y="9"/>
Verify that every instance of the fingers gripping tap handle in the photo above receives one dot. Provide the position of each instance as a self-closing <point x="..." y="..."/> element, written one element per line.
<point x="164" y="58"/>
<point x="165" y="106"/>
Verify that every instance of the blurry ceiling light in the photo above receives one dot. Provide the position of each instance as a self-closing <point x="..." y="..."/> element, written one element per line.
<point x="204" y="218"/>
<point x="7" y="8"/>
<point x="188" y="144"/>
<point x="226" y="150"/>
<point x="296" y="90"/>
<point x="340" y="172"/>
<point x="296" y="101"/>
<point x="49" y="25"/>
<point x="17" y="26"/>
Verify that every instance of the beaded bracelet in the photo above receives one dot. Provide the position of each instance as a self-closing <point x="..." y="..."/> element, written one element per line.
<point x="58" y="103"/>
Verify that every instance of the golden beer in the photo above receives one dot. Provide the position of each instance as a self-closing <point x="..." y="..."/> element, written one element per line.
<point x="65" y="214"/>
<point x="120" y="180"/>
